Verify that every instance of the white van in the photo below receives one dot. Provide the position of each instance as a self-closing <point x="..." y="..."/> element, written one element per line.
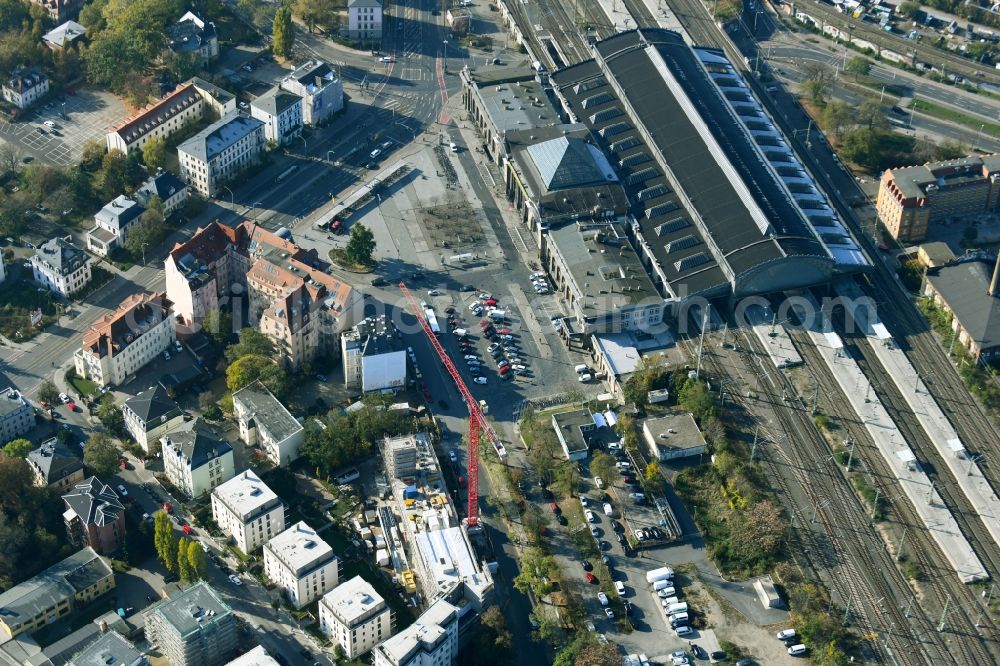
<point x="460" y="332"/>
<point x="666" y="592"/>
<point x="785" y="634"/>
<point x="797" y="650"/>
<point x="608" y="511"/>
<point x="453" y="145"/>
<point x="662" y="585"/>
<point x="585" y="377"/>
<point x="620" y="588"/>
<point x="679" y="618"/>
<point x="580" y="368"/>
<point x="681" y="607"/>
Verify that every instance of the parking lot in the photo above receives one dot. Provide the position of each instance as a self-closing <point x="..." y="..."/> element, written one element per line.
<point x="77" y="117"/>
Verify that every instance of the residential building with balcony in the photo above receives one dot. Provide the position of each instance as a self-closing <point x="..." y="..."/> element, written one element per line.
<point x="912" y="198"/>
<point x="54" y="466"/>
<point x="220" y="153"/>
<point x="192" y="35"/>
<point x="196" y="458"/>
<point x="264" y="422"/>
<point x="364" y="20"/>
<point x="281" y="113"/>
<point x="94" y="516"/>
<point x="119" y="344"/>
<point x="193" y="627"/>
<point x="430" y="641"/>
<point x="112" y="224"/>
<point x="64" y="588"/>
<point x="354" y="616"/>
<point x="60" y="266"/>
<point x="25" y="86"/>
<point x="301" y="564"/>
<point x="320" y="88"/>
<point x="149" y="414"/>
<point x="248" y="511"/>
<point x="17" y="417"/>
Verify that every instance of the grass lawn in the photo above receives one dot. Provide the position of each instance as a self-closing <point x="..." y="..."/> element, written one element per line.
<point x="83" y="386"/>
<point x="945" y="113"/>
<point x="339" y="257"/>
<point x="17" y="300"/>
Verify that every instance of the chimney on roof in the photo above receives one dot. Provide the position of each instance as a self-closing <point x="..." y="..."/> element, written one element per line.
<point x="996" y="277"/>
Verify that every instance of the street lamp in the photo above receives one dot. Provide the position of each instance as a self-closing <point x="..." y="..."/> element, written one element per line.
<point x="253" y="209"/>
<point x="446" y="56"/>
<point x="144" y="244"/>
<point x="328" y="153"/>
<point x="232" y="197"/>
<point x="979" y="135"/>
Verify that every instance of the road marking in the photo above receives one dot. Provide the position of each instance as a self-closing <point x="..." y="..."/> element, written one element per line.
<point x="412" y="74"/>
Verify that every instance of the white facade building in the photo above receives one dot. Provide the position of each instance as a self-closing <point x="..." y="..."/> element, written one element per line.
<point x="60" y="266"/>
<point x="248" y="511"/>
<point x="150" y="414"/>
<point x="373" y="356"/>
<point x="364" y="19"/>
<point x="112" y="224"/>
<point x="354" y="615"/>
<point x="17" y="417"/>
<point x="265" y="422"/>
<point x="25" y="86"/>
<point x="430" y="641"/>
<point x="220" y="152"/>
<point x="119" y="344"/>
<point x="196" y="458"/>
<point x="168" y="187"/>
<point x="281" y="113"/>
<point x="320" y="88"/>
<point x="302" y="564"/>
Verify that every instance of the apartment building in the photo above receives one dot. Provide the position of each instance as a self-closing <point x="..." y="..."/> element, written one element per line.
<point x="355" y="616"/>
<point x="281" y="113"/>
<point x="111" y="224"/>
<point x="373" y="355"/>
<point x="364" y="20"/>
<point x="149" y="414"/>
<point x="320" y="88"/>
<point x="118" y="344"/>
<point x="193" y="35"/>
<point x="301" y="563"/>
<point x="171" y="191"/>
<point x="17" y="417"/>
<point x="293" y="300"/>
<point x="430" y="641"/>
<point x="196" y="458"/>
<point x="190" y="102"/>
<point x="54" y="466"/>
<point x="64" y="588"/>
<point x="111" y="649"/>
<point x="94" y="516"/>
<point x="60" y="266"/>
<point x="264" y="422"/>
<point x="912" y="198"/>
<point x="248" y="511"/>
<point x="193" y="627"/>
<point x="25" y="86"/>
<point x="220" y="152"/>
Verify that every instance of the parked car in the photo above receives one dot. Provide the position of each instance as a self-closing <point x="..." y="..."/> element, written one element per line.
<point x="479" y="380"/>
<point x="603" y="598"/>
<point x="235" y="580"/>
<point x="590" y="578"/>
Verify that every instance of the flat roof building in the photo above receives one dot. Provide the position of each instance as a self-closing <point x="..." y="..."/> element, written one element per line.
<point x="248" y="511"/>
<point x="194" y="627"/>
<point x="430" y="641"/>
<point x="573" y="430"/>
<point x="17" y="416"/>
<point x="111" y="649"/>
<point x="355" y="617"/>
<point x="673" y="436"/>
<point x="373" y="355"/>
<point x="300" y="562"/>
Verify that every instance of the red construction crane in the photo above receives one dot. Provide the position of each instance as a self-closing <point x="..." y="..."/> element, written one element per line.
<point x="477" y="420"/>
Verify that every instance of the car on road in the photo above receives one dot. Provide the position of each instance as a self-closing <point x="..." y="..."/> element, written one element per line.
<point x="785" y="634"/>
<point x="204" y="546"/>
<point x="49" y="123"/>
<point x="595" y="531"/>
<point x="718" y="656"/>
<point x="64" y="398"/>
<point x="679" y="658"/>
<point x="590" y="578"/>
<point x="386" y="59"/>
<point x="467" y="287"/>
<point x="479" y="380"/>
<point x="475" y="304"/>
<point x="471" y="357"/>
<point x="434" y="292"/>
<point x="235" y="580"/>
<point x="604" y="545"/>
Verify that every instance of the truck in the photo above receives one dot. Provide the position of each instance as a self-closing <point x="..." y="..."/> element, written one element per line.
<point x="432" y="321"/>
<point x="663" y="573"/>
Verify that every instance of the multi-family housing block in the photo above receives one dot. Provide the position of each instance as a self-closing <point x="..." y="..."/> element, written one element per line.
<point x="193" y="627"/>
<point x="301" y="564"/>
<point x="430" y="641"/>
<point x="320" y="88"/>
<point x="248" y="511"/>
<point x="60" y="266"/>
<point x="94" y="516"/>
<point x="64" y="588"/>
<point x="17" y="417"/>
<point x="54" y="466"/>
<point x="196" y="458"/>
<point x="355" y="616"/>
<point x="111" y="224"/>
<point x="120" y="343"/>
<point x="149" y="414"/>
<point x="364" y="19"/>
<point x="220" y="152"/>
<point x="25" y="86"/>
<point x="373" y="355"/>
<point x="264" y="422"/>
<point x="281" y="113"/>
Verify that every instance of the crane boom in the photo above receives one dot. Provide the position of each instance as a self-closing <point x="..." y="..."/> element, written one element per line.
<point x="477" y="420"/>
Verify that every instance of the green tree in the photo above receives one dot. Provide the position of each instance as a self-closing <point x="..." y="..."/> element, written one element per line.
<point x="871" y="114"/>
<point x="652" y="470"/>
<point x="252" y="342"/>
<point x="18" y="448"/>
<point x="837" y="117"/>
<point x="196" y="561"/>
<point x="111" y="179"/>
<point x="163" y="531"/>
<point x="361" y="245"/>
<point x="218" y="326"/>
<point x="100" y="454"/>
<point x="109" y="415"/>
<point x="315" y="12"/>
<point x="818" y="78"/>
<point x="598" y="654"/>
<point x="283" y="33"/>
<point x="695" y="398"/>
<point x="48" y="392"/>
<point x="183" y="563"/>
<point x="858" y="66"/>
<point x="908" y="9"/>
<point x="247" y="369"/>
<point x="861" y="146"/>
<point x="154" y="153"/>
<point x="568" y="478"/>
<point x="93" y="154"/>
<point x="538" y="573"/>
<point x="603" y="465"/>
